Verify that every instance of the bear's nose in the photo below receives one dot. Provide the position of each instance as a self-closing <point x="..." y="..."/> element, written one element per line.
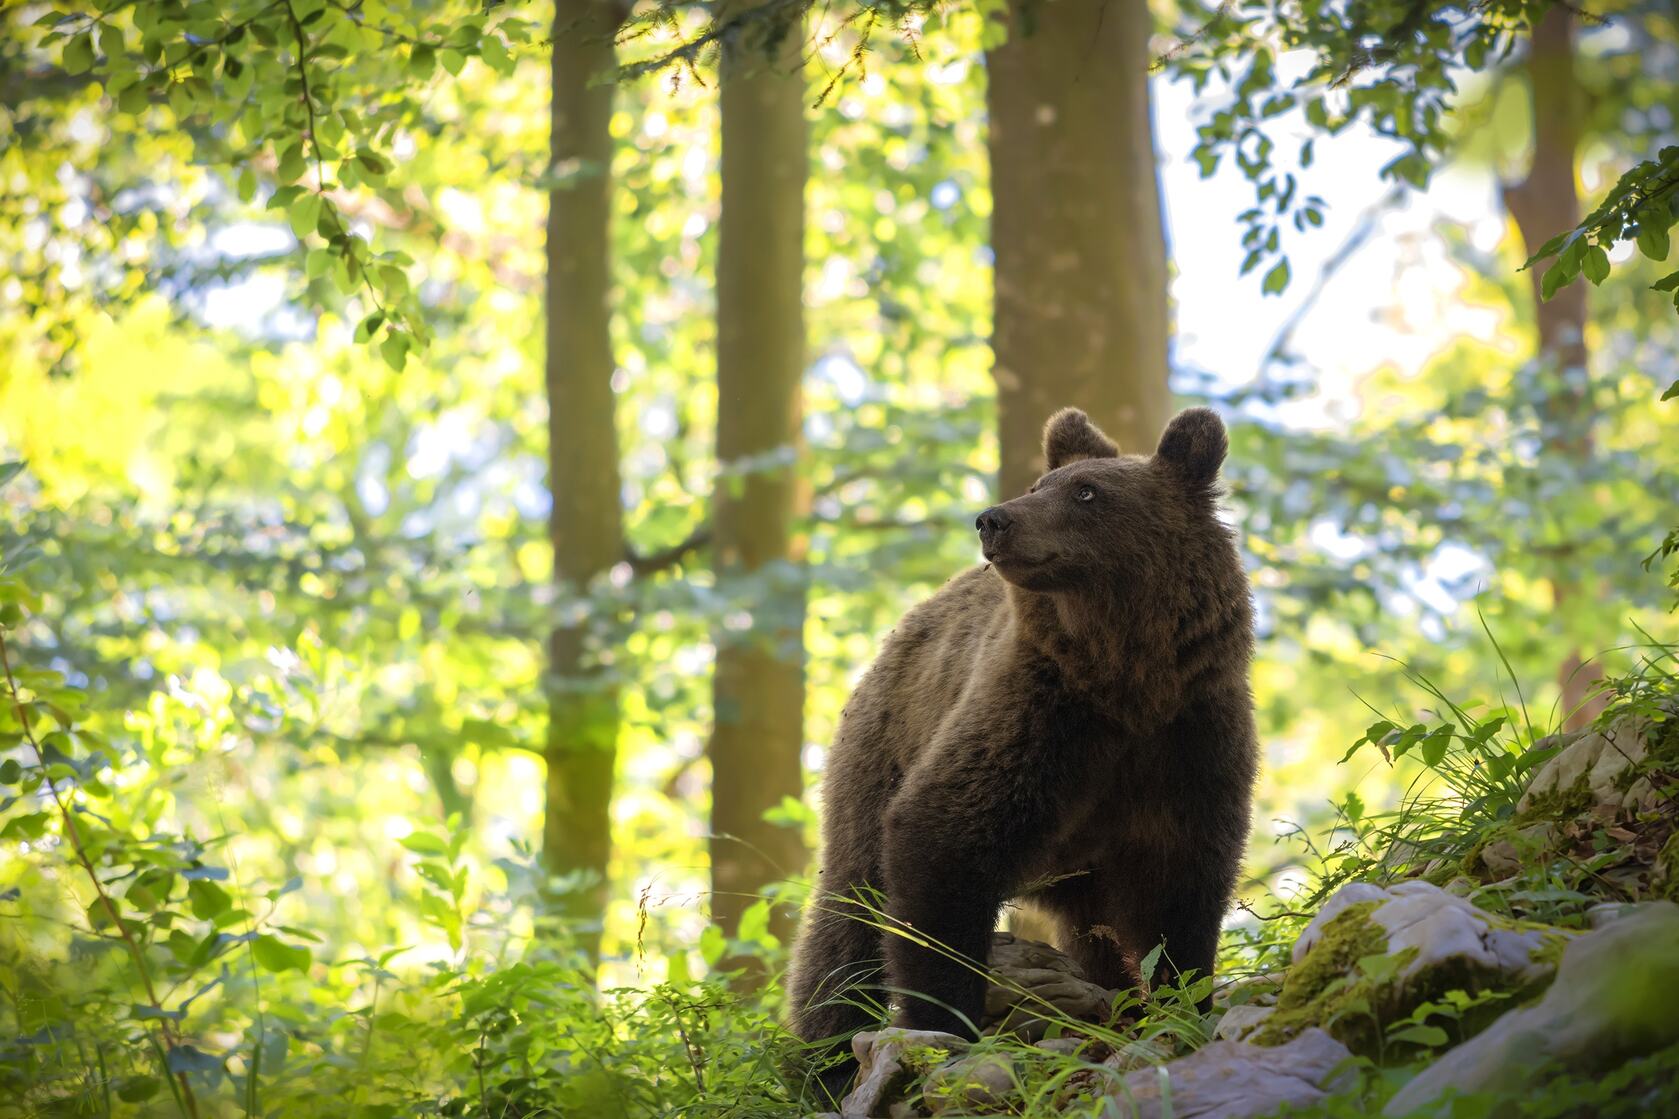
<point x="992" y="522"/>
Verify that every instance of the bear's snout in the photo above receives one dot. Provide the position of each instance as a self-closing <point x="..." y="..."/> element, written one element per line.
<point x="992" y="524"/>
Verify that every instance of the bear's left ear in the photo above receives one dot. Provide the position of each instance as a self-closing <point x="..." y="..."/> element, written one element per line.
<point x="1194" y="444"/>
<point x="1070" y="436"/>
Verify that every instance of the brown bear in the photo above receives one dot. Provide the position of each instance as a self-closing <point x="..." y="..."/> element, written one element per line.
<point x="1070" y="723"/>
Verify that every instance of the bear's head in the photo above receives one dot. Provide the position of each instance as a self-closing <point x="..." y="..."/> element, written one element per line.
<point x="1098" y="519"/>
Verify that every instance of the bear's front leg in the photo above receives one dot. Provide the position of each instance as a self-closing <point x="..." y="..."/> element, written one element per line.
<point x="944" y="899"/>
<point x="958" y="837"/>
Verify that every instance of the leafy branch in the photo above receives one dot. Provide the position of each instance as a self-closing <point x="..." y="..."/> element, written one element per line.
<point x="1641" y="207"/>
<point x="171" y="1042"/>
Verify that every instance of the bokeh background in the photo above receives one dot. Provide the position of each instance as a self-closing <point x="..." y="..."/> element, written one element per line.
<point x="310" y="584"/>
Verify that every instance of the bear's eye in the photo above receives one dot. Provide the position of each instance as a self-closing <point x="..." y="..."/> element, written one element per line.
<point x="1085" y="493"/>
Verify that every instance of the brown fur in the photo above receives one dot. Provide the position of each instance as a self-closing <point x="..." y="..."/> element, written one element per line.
<point x="1074" y="713"/>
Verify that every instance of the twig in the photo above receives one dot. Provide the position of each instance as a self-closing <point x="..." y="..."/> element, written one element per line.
<point x="666" y="558"/>
<point x="308" y="101"/>
<point x="75" y="837"/>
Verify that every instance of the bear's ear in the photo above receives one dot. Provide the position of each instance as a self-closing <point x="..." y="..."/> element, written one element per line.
<point x="1194" y="444"/>
<point x="1070" y="436"/>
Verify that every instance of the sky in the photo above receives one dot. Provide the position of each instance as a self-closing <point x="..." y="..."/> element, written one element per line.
<point x="1391" y="301"/>
<point x="1351" y="327"/>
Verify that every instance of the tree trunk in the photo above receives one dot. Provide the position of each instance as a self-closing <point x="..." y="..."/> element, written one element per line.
<point x="1544" y="204"/>
<point x="1080" y="301"/>
<point x="758" y="690"/>
<point x="585" y="520"/>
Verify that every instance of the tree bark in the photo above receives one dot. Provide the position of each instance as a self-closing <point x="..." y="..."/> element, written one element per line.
<point x="1080" y="254"/>
<point x="758" y="689"/>
<point x="1543" y="204"/>
<point x="585" y="519"/>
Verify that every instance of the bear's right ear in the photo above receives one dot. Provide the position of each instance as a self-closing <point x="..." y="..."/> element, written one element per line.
<point x="1070" y="436"/>
<point x="1194" y="444"/>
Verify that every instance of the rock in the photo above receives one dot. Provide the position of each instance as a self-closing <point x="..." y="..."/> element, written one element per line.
<point x="967" y="1084"/>
<point x="1137" y="1053"/>
<point x="1508" y="855"/>
<point x="1591" y="768"/>
<point x="1239" y="1021"/>
<point x="1371" y="955"/>
<point x="1033" y="984"/>
<point x="1613" y="1000"/>
<point x="1232" y="1080"/>
<point x="890" y="1062"/>
<point x="1262" y="988"/>
<point x="1607" y="913"/>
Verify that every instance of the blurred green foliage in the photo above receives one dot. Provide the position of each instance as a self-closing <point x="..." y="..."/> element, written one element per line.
<point x="273" y="598"/>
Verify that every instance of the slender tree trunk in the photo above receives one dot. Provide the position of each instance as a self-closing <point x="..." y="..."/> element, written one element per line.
<point x="1081" y="283"/>
<point x="758" y="691"/>
<point x="1544" y="204"/>
<point x="585" y="522"/>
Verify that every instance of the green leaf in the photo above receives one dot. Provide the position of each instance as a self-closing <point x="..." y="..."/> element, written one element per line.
<point x="133" y="100"/>
<point x="755" y="923"/>
<point x="1276" y="280"/>
<point x="152" y="1014"/>
<point x="424" y="843"/>
<point x="110" y="40"/>
<point x="31" y="825"/>
<point x="274" y="954"/>
<point x="208" y="900"/>
<point x="1431" y="1037"/>
<point x="1595" y="264"/>
<point x="394" y="349"/>
<point x="452" y="60"/>
<point x="291" y="165"/>
<point x="1433" y="748"/>
<point x="712" y="945"/>
<point x="1545" y="250"/>
<point x="304" y="213"/>
<point x="495" y="56"/>
<point x="1653" y="240"/>
<point x="1669" y="282"/>
<point x="78" y="54"/>
<point x="8" y="471"/>
<point x="1151" y="962"/>
<point x="1556" y="277"/>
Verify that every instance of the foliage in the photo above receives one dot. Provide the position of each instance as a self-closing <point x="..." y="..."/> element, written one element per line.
<point x="1390" y="65"/>
<point x="1640" y="208"/>
<point x="289" y="589"/>
<point x="307" y="102"/>
<point x="1396" y="67"/>
<point x="183" y="980"/>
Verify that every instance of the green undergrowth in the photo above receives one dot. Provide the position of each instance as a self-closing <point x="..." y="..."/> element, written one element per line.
<point x="141" y="973"/>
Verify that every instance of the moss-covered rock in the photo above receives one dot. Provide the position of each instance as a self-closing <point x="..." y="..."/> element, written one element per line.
<point x="1372" y="955"/>
<point x="1613" y="1000"/>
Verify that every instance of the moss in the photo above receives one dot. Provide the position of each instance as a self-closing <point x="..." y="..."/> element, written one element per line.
<point x="1316" y="991"/>
<point x="1550" y="949"/>
<point x="1559" y="804"/>
<point x="1329" y="989"/>
<point x="1471" y="862"/>
<point x="1664" y="743"/>
<point x="1665" y="877"/>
